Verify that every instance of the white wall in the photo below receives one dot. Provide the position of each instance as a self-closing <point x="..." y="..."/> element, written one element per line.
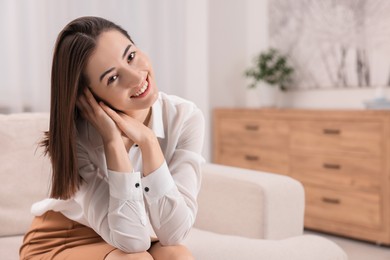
<point x="172" y="32"/>
<point x="329" y="99"/>
<point x="200" y="50"/>
<point x="227" y="52"/>
<point x="30" y="29"/>
<point x="197" y="63"/>
<point x="239" y="30"/>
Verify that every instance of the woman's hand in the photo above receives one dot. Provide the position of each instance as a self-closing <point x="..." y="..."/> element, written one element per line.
<point x="114" y="146"/>
<point x="130" y="127"/>
<point x="152" y="156"/>
<point x="93" y="113"/>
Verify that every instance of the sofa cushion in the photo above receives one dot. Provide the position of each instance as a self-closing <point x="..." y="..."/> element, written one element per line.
<point x="207" y="245"/>
<point x="24" y="171"/>
<point x="210" y="246"/>
<point x="9" y="247"/>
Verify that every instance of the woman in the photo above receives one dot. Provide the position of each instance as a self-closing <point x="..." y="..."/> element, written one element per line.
<point x="125" y="158"/>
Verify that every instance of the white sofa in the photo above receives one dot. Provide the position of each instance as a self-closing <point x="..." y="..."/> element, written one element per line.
<point x="243" y="214"/>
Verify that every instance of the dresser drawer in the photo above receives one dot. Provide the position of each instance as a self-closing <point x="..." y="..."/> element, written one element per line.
<point x="364" y="138"/>
<point x="254" y="132"/>
<point x="254" y="158"/>
<point x="364" y="174"/>
<point x="353" y="208"/>
<point x="342" y="157"/>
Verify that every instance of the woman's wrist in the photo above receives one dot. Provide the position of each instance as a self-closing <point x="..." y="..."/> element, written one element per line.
<point x="114" y="140"/>
<point x="152" y="155"/>
<point x="149" y="141"/>
<point x="116" y="156"/>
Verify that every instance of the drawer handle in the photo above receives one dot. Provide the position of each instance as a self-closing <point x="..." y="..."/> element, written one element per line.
<point x="331" y="166"/>
<point x="251" y="158"/>
<point x="331" y="201"/>
<point x="327" y="131"/>
<point x="252" y="127"/>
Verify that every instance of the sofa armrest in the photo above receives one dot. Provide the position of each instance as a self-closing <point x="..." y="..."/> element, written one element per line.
<point x="250" y="203"/>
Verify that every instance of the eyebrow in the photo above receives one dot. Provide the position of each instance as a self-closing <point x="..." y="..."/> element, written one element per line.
<point x="111" y="69"/>
<point x="124" y="53"/>
<point x="105" y="73"/>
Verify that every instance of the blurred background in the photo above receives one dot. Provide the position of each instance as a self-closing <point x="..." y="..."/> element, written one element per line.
<point x="199" y="49"/>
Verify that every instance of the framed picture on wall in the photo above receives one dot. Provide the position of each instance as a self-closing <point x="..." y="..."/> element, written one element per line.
<point x="333" y="43"/>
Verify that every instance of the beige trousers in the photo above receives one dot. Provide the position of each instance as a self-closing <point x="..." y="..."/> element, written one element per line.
<point x="53" y="236"/>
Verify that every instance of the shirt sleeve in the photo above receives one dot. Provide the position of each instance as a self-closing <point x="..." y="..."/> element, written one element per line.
<point x="171" y="191"/>
<point x="114" y="206"/>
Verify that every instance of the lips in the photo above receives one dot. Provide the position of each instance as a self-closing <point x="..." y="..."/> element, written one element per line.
<point x="141" y="90"/>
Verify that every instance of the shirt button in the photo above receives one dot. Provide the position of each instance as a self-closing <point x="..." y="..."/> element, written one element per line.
<point x="137" y="185"/>
<point x="136" y="145"/>
<point x="146" y="189"/>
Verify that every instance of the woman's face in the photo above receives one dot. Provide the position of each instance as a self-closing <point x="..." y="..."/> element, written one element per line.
<point x="120" y="74"/>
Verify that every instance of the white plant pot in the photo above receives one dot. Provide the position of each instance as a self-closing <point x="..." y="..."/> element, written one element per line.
<point x="252" y="98"/>
<point x="269" y="95"/>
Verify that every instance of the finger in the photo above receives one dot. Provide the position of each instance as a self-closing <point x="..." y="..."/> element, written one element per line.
<point x="91" y="99"/>
<point x="108" y="110"/>
<point x="82" y="114"/>
<point x="84" y="105"/>
<point x="84" y="108"/>
<point x="111" y="113"/>
<point x="93" y="104"/>
<point x="78" y="105"/>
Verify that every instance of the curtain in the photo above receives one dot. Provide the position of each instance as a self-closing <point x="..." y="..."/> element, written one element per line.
<point x="174" y="33"/>
<point x="28" y="30"/>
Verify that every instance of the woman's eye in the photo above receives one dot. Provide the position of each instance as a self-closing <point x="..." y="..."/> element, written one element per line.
<point x="131" y="56"/>
<point x="111" y="79"/>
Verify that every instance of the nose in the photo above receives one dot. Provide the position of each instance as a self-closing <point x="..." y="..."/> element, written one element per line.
<point x="133" y="78"/>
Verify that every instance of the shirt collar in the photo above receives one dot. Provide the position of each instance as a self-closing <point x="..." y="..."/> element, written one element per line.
<point x="156" y="120"/>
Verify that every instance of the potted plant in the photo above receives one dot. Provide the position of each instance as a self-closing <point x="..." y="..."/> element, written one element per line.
<point x="271" y="70"/>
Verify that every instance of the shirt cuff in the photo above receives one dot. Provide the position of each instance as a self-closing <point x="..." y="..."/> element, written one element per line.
<point x="124" y="185"/>
<point x="157" y="183"/>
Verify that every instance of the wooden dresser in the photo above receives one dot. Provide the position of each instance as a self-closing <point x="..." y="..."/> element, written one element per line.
<point x="341" y="157"/>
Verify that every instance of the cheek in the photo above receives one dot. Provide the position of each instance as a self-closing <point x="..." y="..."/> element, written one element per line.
<point x="115" y="101"/>
<point x="96" y="93"/>
<point x="109" y="98"/>
<point x="118" y="97"/>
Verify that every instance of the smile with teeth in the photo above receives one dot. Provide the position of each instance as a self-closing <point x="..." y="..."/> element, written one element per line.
<point x="142" y="89"/>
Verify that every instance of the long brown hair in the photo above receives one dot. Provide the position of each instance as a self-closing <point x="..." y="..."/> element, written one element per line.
<point x="73" y="47"/>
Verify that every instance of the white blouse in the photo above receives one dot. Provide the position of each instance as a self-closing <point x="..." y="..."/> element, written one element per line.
<point x="126" y="209"/>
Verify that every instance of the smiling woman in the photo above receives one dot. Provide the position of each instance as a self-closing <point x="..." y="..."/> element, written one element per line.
<point x="29" y="29"/>
<point x="125" y="157"/>
<point x="119" y="71"/>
